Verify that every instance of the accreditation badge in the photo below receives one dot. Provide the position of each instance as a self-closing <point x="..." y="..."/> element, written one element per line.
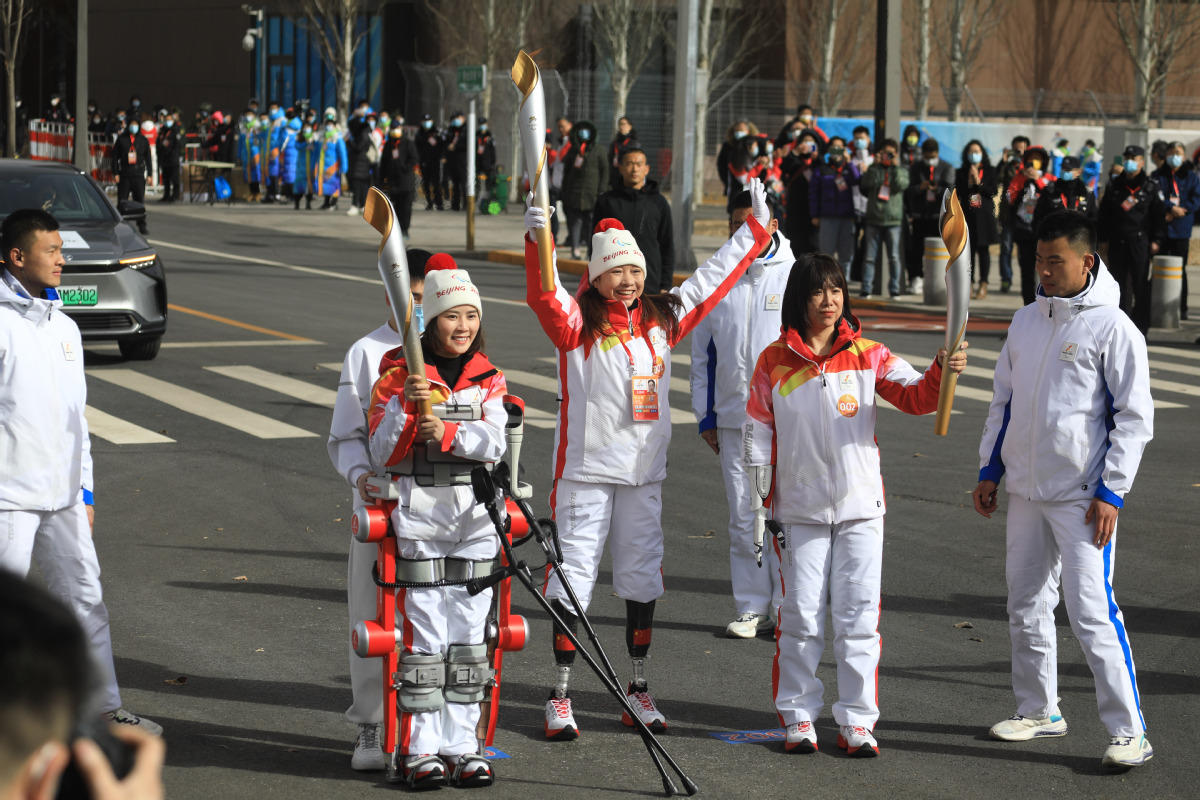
<point x="645" y="398"/>
<point x="1129" y="202"/>
<point x="884" y="193"/>
<point x="976" y="201"/>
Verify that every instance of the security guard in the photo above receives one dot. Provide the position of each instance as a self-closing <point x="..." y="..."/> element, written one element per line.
<point x="131" y="164"/>
<point x="1132" y="223"/>
<point x="1069" y="192"/>
<point x="431" y="147"/>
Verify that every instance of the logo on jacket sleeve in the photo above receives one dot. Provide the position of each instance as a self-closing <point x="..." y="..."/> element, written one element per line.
<point x="1068" y="352"/>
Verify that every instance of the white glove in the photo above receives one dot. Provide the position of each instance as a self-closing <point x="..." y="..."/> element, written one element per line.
<point x="758" y="202"/>
<point x="535" y="217"/>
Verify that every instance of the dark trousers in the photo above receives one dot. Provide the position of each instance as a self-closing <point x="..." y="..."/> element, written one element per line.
<point x="914" y="254"/>
<point x="132" y="186"/>
<point x="1178" y="247"/>
<point x="457" y="175"/>
<point x="358" y="191"/>
<point x="579" y="227"/>
<point x="1129" y="263"/>
<point x="1026" y="247"/>
<point x="170" y="175"/>
<point x="983" y="257"/>
<point x="402" y="201"/>
<point x="431" y="184"/>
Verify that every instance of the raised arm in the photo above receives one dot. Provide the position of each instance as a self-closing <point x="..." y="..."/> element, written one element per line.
<point x="557" y="311"/>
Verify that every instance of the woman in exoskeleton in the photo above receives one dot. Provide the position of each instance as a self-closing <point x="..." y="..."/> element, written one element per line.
<point x="810" y="440"/>
<point x="614" y="424"/>
<point x="440" y="529"/>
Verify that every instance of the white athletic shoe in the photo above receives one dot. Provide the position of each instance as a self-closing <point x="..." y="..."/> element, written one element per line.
<point x="748" y="625"/>
<point x="917" y="286"/>
<point x="1021" y="729"/>
<point x="353" y="212"/>
<point x="123" y="717"/>
<point x="424" y="772"/>
<point x="644" y="707"/>
<point x="560" y="722"/>
<point x="801" y="738"/>
<point x="857" y="741"/>
<point x="368" y="755"/>
<point x="1127" y="751"/>
<point x="470" y="771"/>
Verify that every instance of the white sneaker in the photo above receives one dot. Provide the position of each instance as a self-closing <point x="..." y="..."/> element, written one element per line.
<point x="353" y="212"/>
<point x="801" y="738"/>
<point x="644" y="707"/>
<point x="1021" y="729"/>
<point x="560" y="722"/>
<point x="748" y="625"/>
<point x="1127" y="751"/>
<point x="857" y="741"/>
<point x="424" y="772"/>
<point x="368" y="755"/>
<point x="123" y="717"/>
<point x="917" y="286"/>
<point x="470" y="771"/>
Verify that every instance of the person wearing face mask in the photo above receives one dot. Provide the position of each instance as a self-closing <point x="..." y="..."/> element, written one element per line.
<point x="289" y="158"/>
<point x="1093" y="165"/>
<point x="975" y="182"/>
<point x="1021" y="196"/>
<point x="57" y="112"/>
<point x="249" y="155"/>
<point x="1181" y="188"/>
<point x="883" y="184"/>
<point x="1010" y="165"/>
<point x="359" y="147"/>
<point x="737" y="131"/>
<point x="1068" y="193"/>
<point x="455" y="175"/>
<point x="396" y="176"/>
<point x="625" y="138"/>
<point x="135" y="106"/>
<point x="431" y="148"/>
<point x="485" y="160"/>
<point x="169" y="151"/>
<point x="306" y="160"/>
<point x="331" y="165"/>
<point x="751" y="159"/>
<point x="805" y="119"/>
<point x="928" y="181"/>
<point x="584" y="174"/>
<point x="910" y="146"/>
<point x="798" y="164"/>
<point x="349" y="450"/>
<point x="1131" y="225"/>
<point x="131" y="166"/>
<point x="831" y="194"/>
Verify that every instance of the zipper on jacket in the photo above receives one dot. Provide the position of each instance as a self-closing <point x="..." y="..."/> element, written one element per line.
<point x="825" y="416"/>
<point x="1036" y="396"/>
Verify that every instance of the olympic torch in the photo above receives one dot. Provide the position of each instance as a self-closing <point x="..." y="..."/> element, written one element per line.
<point x="958" y="296"/>
<point x="531" y="117"/>
<point x="393" y="268"/>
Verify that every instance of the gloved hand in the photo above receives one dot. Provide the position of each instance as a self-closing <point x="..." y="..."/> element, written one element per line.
<point x="758" y="202"/>
<point x="535" y="217"/>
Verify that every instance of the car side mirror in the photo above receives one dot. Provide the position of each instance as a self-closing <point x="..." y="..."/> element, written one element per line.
<point x="131" y="210"/>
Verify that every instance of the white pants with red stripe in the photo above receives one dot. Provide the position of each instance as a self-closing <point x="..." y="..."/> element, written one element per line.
<point x="1044" y="538"/>
<point x="842" y="562"/>
<point x="62" y="543"/>
<point x="587" y="515"/>
<point x="755" y="588"/>
<point x="433" y="620"/>
<point x="366" y="687"/>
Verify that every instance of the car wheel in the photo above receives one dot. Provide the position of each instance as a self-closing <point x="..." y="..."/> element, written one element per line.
<point x="140" y="349"/>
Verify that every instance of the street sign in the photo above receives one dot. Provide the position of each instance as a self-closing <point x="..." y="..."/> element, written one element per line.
<point x="472" y="79"/>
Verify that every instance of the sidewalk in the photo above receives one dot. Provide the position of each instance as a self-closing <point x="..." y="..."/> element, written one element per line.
<point x="498" y="239"/>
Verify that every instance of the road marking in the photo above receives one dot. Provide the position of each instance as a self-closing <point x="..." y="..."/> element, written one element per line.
<point x="118" y="431"/>
<point x="282" y="384"/>
<point x="201" y="405"/>
<point x="336" y="366"/>
<point x="533" y="380"/>
<point x="325" y="273"/>
<point x="208" y="345"/>
<point x="1174" y="351"/>
<point x="969" y="392"/>
<point x="244" y="325"/>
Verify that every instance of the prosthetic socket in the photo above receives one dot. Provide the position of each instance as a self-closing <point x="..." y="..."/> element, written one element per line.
<point x="761" y="477"/>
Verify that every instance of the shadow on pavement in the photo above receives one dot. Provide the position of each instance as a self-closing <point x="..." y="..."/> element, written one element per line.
<point x="272" y="589"/>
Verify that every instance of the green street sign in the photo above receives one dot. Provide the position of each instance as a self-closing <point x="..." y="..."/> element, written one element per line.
<point x="472" y="79"/>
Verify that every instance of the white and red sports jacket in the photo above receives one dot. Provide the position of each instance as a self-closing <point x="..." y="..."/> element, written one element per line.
<point x="813" y="418"/>
<point x="597" y="439"/>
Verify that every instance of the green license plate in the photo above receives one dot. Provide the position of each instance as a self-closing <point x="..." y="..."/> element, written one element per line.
<point x="79" y="295"/>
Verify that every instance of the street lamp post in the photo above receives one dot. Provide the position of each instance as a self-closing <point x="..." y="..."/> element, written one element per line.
<point x="257" y="36"/>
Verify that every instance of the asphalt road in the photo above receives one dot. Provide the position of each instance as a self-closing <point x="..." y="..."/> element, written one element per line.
<point x="224" y="563"/>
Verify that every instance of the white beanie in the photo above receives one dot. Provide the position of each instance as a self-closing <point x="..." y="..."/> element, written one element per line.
<point x="613" y="246"/>
<point x="447" y="286"/>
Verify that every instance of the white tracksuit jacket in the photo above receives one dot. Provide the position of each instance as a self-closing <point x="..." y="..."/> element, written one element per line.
<point x="597" y="440"/>
<point x="726" y="343"/>
<point x="45" y="452"/>
<point x="1071" y="411"/>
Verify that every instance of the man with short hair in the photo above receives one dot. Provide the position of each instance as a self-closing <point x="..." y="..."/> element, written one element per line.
<point x="646" y="214"/>
<point x="1072" y="386"/>
<point x="1011" y="163"/>
<point x="883" y="185"/>
<point x="46" y="479"/>
<point x="725" y="348"/>
<point x="929" y="179"/>
<point x="1181" y="188"/>
<point x="1132" y="223"/>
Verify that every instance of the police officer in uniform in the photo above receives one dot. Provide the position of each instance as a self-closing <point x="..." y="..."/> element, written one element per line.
<point x="130" y="165"/>
<point x="455" y="176"/>
<point x="1132" y="223"/>
<point x="431" y="148"/>
<point x="1068" y="193"/>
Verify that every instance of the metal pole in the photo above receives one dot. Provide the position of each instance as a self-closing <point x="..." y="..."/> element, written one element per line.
<point x="683" y="151"/>
<point x="82" y="154"/>
<point x="887" y="70"/>
<point x="262" y="59"/>
<point x="471" y="174"/>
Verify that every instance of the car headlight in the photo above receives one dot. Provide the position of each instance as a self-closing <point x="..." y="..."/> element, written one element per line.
<point x="140" y="262"/>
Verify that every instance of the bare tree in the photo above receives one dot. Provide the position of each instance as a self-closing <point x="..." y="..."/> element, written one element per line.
<point x="836" y="30"/>
<point x="960" y="34"/>
<point x="626" y="32"/>
<point x="915" y="63"/>
<point x="332" y="26"/>
<point x="12" y="15"/>
<point x="1156" y="35"/>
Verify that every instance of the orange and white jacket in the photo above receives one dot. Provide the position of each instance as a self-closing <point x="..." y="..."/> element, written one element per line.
<point x="813" y="418"/>
<point x="597" y="439"/>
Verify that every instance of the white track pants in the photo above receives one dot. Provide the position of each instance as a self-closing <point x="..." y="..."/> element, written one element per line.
<point x="842" y="562"/>
<point x="1042" y="537"/>
<point x="754" y="588"/>
<point x="366" y="685"/>
<point x="587" y="514"/>
<point x="62" y="543"/>
<point x="433" y="620"/>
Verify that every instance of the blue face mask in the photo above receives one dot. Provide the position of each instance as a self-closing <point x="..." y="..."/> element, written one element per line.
<point x="170" y="123"/>
<point x="419" y="317"/>
<point x="975" y="158"/>
<point x="483" y="128"/>
<point x="427" y="124"/>
<point x="1176" y="161"/>
<point x="1130" y="166"/>
<point x="584" y="135"/>
<point x="739" y="134"/>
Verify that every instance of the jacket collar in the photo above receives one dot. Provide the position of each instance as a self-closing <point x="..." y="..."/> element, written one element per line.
<point x="37" y="309"/>
<point x="1101" y="290"/>
<point x="847" y="331"/>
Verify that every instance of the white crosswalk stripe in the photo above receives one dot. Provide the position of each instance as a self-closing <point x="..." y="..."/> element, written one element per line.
<point x="301" y="390"/>
<point x="118" y="431"/>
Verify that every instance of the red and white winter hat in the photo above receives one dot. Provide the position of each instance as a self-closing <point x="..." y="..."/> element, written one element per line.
<point x="447" y="286"/>
<point x="613" y="246"/>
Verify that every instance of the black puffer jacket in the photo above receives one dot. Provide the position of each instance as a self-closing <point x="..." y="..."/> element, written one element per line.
<point x="647" y="215"/>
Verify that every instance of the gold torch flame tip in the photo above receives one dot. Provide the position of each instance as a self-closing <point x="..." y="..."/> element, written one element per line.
<point x="524" y="73"/>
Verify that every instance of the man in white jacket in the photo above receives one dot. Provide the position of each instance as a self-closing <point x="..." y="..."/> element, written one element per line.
<point x="1071" y="414"/>
<point x="349" y="450"/>
<point x="725" y="347"/>
<point x="45" y="453"/>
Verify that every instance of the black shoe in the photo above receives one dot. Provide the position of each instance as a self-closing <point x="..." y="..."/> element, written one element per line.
<point x="429" y="206"/>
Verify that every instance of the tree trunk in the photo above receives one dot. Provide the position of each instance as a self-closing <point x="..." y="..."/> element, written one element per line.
<point x="958" y="77"/>
<point x="345" y="75"/>
<point x="704" y="60"/>
<point x="923" y="56"/>
<point x="826" y="97"/>
<point x="1143" y="98"/>
<point x="10" y="88"/>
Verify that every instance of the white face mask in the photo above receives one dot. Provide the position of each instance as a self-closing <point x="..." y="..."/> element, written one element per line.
<point x="933" y="162"/>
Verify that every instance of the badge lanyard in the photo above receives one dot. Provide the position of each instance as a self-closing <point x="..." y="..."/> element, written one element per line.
<point x="645" y="387"/>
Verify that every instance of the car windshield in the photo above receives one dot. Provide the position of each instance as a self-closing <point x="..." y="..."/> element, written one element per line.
<point x="69" y="197"/>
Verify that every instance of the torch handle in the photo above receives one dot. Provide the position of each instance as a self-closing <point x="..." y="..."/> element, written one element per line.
<point x="945" y="401"/>
<point x="414" y="356"/>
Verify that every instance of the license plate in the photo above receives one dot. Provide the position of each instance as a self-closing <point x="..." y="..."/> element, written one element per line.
<point x="79" y="295"/>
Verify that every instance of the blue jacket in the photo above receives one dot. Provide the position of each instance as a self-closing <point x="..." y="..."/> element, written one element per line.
<point x="330" y="155"/>
<point x="248" y="155"/>
<point x="1184" y="184"/>
<point x="825" y="199"/>
<point x="287" y="156"/>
